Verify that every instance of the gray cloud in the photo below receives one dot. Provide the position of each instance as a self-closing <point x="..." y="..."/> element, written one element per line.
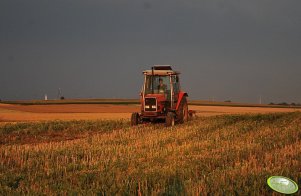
<point x="234" y="49"/>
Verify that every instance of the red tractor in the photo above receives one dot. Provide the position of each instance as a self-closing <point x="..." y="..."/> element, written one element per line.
<point x="162" y="97"/>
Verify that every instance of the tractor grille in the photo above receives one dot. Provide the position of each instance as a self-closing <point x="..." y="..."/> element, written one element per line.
<point x="150" y="104"/>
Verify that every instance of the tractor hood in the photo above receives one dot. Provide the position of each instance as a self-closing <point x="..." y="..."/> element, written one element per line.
<point x="154" y="102"/>
<point x="159" y="97"/>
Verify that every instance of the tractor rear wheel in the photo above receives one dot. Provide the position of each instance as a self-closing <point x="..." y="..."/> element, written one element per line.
<point x="170" y="119"/>
<point x="183" y="111"/>
<point x="135" y="119"/>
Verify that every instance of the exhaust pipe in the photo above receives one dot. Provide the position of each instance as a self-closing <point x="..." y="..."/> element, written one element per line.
<point x="152" y="80"/>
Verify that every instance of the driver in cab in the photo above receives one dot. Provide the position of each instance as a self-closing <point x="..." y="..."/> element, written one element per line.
<point x="161" y="87"/>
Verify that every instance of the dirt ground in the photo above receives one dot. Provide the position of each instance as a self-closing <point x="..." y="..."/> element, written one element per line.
<point x="22" y="113"/>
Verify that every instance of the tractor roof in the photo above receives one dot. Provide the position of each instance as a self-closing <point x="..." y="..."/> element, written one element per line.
<point x="162" y="67"/>
<point x="162" y="70"/>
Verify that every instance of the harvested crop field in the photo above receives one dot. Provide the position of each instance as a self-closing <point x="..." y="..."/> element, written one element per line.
<point x="209" y="155"/>
<point x="92" y="149"/>
<point x="23" y="113"/>
<point x="19" y="113"/>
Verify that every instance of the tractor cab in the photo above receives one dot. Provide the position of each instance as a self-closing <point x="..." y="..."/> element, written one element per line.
<point x="162" y="83"/>
<point x="161" y="97"/>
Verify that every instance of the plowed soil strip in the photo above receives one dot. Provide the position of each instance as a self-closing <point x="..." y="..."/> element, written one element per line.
<point x="23" y="113"/>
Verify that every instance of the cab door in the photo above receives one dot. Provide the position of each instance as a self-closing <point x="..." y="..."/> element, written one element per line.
<point x="176" y="88"/>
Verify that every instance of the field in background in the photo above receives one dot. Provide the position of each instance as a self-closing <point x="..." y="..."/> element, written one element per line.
<point x="95" y="109"/>
<point x="228" y="154"/>
<point x="74" y="101"/>
<point x="21" y="113"/>
<point x="136" y="101"/>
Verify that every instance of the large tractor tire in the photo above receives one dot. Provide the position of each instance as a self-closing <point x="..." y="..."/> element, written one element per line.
<point x="182" y="112"/>
<point x="135" y="119"/>
<point x="170" y="119"/>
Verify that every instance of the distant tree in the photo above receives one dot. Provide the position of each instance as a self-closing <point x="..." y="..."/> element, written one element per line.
<point x="62" y="97"/>
<point x="228" y="101"/>
<point x="293" y="104"/>
<point x="271" y="103"/>
<point x="283" y="103"/>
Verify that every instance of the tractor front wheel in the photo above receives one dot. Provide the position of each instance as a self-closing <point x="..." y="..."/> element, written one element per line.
<point x="135" y="119"/>
<point x="170" y="119"/>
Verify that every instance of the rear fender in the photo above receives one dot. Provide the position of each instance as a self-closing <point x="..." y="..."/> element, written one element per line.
<point x="181" y="95"/>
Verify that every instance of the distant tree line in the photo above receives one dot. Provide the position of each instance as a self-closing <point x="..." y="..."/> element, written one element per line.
<point x="286" y="104"/>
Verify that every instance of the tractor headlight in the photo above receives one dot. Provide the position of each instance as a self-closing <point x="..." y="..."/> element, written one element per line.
<point x="147" y="106"/>
<point x="153" y="106"/>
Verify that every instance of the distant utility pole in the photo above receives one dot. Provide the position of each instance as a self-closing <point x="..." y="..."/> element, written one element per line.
<point x="59" y="93"/>
<point x="260" y="99"/>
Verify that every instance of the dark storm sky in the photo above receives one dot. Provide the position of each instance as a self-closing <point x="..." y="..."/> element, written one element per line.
<point x="231" y="49"/>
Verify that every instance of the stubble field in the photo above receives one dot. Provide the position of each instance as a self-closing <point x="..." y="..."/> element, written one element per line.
<point x="232" y="153"/>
